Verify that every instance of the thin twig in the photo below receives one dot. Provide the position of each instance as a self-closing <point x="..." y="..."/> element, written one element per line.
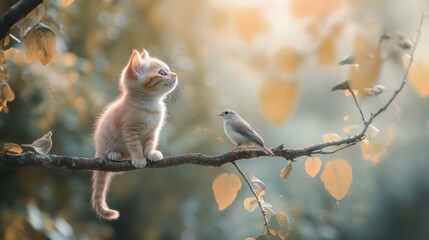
<point x="357" y="104"/>
<point x="334" y="151"/>
<point x="16" y="13"/>
<point x="397" y="91"/>
<point x="264" y="214"/>
<point x="405" y="77"/>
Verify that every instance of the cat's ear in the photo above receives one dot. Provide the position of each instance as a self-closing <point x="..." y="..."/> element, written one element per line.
<point x="144" y="54"/>
<point x="135" y="65"/>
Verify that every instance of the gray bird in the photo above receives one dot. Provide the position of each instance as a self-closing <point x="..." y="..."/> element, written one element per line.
<point x="240" y="132"/>
<point x="42" y="145"/>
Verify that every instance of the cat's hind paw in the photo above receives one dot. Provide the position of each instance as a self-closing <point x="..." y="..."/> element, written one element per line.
<point x="139" y="163"/>
<point x="113" y="156"/>
<point x="155" y="156"/>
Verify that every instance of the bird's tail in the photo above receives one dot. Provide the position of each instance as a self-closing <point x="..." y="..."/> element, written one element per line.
<point x="268" y="151"/>
<point x="100" y="185"/>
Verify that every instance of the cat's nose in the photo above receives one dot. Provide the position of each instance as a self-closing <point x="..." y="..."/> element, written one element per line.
<point x="174" y="74"/>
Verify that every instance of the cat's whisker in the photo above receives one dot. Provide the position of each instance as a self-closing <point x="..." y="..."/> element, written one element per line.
<point x="180" y="93"/>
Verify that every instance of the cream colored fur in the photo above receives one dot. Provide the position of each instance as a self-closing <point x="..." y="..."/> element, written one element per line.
<point x="129" y="127"/>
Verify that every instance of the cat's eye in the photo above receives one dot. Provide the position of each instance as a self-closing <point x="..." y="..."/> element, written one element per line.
<point x="162" y="73"/>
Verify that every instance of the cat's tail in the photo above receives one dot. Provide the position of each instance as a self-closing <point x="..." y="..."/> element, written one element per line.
<point x="100" y="185"/>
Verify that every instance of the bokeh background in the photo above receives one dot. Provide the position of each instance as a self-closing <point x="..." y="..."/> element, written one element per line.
<point x="274" y="62"/>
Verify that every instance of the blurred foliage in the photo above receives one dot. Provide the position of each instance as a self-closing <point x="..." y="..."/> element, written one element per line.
<point x="274" y="62"/>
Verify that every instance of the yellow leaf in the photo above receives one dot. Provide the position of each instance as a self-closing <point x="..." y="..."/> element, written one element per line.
<point x="287" y="59"/>
<point x="398" y="113"/>
<point x="326" y="52"/>
<point x="3" y="150"/>
<point x="279" y="225"/>
<point x="331" y="137"/>
<point x="6" y="93"/>
<point x="2" y="57"/>
<point x="282" y="218"/>
<point x="368" y="59"/>
<point x="30" y="46"/>
<point x="312" y="29"/>
<point x="35" y="12"/>
<point x="372" y="151"/>
<point x="278" y="99"/>
<point x="286" y="171"/>
<point x="419" y="78"/>
<point x="6" y="40"/>
<point x="248" y="22"/>
<point x="348" y="128"/>
<point x="390" y="135"/>
<point x="69" y="59"/>
<point x="337" y="29"/>
<point x="66" y="3"/>
<point x="347" y="93"/>
<point x="225" y="187"/>
<point x="312" y="166"/>
<point x="337" y="178"/>
<point x="311" y="8"/>
<point x="364" y="147"/>
<point x="250" y="204"/>
<point x="46" y="43"/>
<point x="13" y="148"/>
<point x="40" y="43"/>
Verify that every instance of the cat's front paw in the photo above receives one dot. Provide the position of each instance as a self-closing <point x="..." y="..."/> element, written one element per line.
<point x="113" y="156"/>
<point x="155" y="156"/>
<point x="139" y="163"/>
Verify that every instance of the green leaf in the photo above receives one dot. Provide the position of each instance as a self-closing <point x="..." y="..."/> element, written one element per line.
<point x="259" y="186"/>
<point x="280" y="223"/>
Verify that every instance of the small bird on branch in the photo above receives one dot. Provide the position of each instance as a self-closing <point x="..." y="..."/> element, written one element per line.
<point x="42" y="145"/>
<point x="240" y="132"/>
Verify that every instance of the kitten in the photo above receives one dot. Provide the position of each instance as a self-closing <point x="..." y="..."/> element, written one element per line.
<point x="129" y="127"/>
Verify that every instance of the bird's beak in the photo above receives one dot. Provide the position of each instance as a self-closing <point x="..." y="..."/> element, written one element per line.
<point x="219" y="115"/>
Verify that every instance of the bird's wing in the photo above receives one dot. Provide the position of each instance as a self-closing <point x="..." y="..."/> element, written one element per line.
<point x="41" y="142"/>
<point x="244" y="128"/>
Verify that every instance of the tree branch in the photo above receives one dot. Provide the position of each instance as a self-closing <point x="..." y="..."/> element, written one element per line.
<point x="264" y="214"/>
<point x="356" y="102"/>
<point x="101" y="164"/>
<point x="82" y="163"/>
<point x="407" y="70"/>
<point x="16" y="13"/>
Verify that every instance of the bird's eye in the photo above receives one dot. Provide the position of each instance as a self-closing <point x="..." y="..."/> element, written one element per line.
<point x="226" y="112"/>
<point x="162" y="72"/>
